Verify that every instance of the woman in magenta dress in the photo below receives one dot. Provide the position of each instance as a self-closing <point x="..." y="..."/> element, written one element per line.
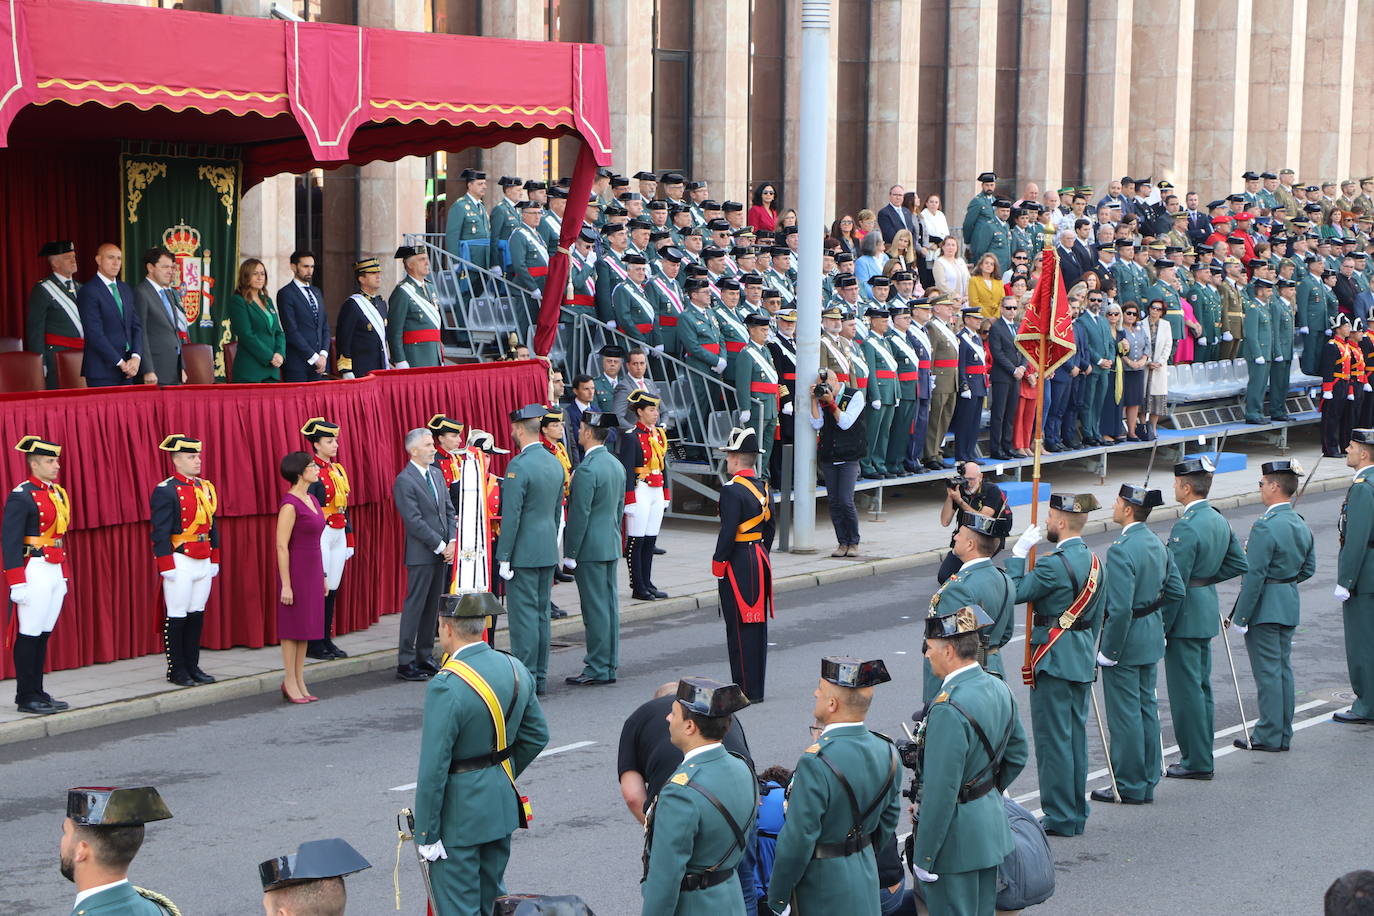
<point x="300" y="571"/>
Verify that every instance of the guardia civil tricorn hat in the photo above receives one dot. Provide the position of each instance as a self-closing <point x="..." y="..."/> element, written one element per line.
<point x="844" y="671"/>
<point x="704" y="697"/>
<point x="956" y="622"/>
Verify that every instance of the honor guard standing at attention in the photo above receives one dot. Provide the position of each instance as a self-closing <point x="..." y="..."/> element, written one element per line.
<point x="757" y="388"/>
<point x="482" y="727"/>
<point x="882" y="392"/>
<point x="185" y="535"/>
<point x="336" y="541"/>
<point x="782" y="349"/>
<point x="1141" y="577"/>
<point x="1257" y="349"/>
<point x="1355" y="577"/>
<point x="946" y="386"/>
<point x="413" y="319"/>
<point x="697" y="829"/>
<point x="469" y="228"/>
<point x="702" y="344"/>
<point x="310" y="880"/>
<point x="1279" y="555"/>
<point x="591" y="546"/>
<point x="635" y="314"/>
<point x="1336" y="365"/>
<point x="843" y="803"/>
<point x="1206" y="551"/>
<point x="448" y="452"/>
<point x="908" y="386"/>
<point x="973" y="387"/>
<point x="741" y="563"/>
<point x="977" y="582"/>
<point x="1066" y="589"/>
<point x="360" y="335"/>
<point x="643" y="451"/>
<point x="37" y="514"/>
<point x="529" y="259"/>
<point x="101" y="834"/>
<point x="527" y="549"/>
<point x="960" y="835"/>
<point x="53" y="323"/>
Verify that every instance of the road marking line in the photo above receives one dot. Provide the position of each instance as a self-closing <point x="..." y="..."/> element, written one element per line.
<point x="405" y="788"/>
<point x="576" y="745"/>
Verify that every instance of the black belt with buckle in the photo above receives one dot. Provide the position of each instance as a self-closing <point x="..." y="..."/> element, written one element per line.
<point x="1287" y="581"/>
<point x="472" y="764"/>
<point x="846" y="847"/>
<point x="1202" y="583"/>
<point x="705" y="879"/>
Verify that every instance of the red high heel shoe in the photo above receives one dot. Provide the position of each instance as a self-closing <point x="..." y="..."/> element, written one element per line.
<point x="311" y="698"/>
<point x="289" y="698"/>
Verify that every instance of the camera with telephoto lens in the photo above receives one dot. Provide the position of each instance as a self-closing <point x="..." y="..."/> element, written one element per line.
<point x="956" y="482"/>
<point x="821" y="388"/>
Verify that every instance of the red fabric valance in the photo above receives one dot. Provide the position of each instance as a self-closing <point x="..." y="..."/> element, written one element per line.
<point x="111" y="464"/>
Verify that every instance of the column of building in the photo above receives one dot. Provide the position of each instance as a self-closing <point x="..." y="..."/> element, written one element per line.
<point x="893" y="96"/>
<point x="1040" y="115"/>
<point x="1219" y="117"/>
<point x="1278" y="53"/>
<point x="970" y="100"/>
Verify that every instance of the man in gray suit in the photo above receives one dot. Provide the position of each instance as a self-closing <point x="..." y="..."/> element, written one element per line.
<point x="634" y="378"/>
<point x="423" y="502"/>
<point x="164" y="321"/>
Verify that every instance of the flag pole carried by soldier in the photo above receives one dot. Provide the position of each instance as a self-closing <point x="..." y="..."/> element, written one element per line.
<point x="101" y="834"/>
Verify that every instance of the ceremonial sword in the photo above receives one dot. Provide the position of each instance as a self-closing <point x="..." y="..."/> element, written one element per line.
<point x="405" y="830"/>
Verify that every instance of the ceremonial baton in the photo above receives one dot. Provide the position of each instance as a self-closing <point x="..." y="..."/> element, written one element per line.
<point x="405" y="830"/>
<point x="1102" y="730"/>
<point x="1235" y="679"/>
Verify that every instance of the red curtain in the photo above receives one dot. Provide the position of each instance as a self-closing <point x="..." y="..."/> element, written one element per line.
<point x="556" y="283"/>
<point x="111" y="464"/>
<point x="62" y="192"/>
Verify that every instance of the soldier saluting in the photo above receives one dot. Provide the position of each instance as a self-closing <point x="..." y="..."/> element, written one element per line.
<point x="37" y="515"/>
<point x="843" y="803"/>
<point x="704" y="813"/>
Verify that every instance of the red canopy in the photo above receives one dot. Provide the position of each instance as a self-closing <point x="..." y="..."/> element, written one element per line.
<point x="293" y="95"/>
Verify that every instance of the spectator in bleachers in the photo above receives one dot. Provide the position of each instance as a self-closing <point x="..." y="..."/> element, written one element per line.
<point x="1157" y="362"/>
<point x="872" y="258"/>
<point x="763" y="215"/>
<point x="1110" y="420"/>
<point x="985" y="287"/>
<point x="950" y="272"/>
<point x="843" y="231"/>
<point x="1136" y="357"/>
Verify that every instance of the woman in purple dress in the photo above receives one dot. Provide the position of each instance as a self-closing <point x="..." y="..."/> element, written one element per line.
<point x="300" y="569"/>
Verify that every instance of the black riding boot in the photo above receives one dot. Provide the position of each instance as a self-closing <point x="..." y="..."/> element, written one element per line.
<point x="174" y="645"/>
<point x="650" y="547"/>
<point x="195" y="624"/>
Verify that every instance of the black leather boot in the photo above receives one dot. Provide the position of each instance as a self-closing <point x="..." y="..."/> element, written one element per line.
<point x="174" y="645"/>
<point x="190" y="652"/>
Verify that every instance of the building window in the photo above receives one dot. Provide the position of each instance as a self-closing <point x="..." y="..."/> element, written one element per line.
<point x="851" y="108"/>
<point x="767" y="93"/>
<point x="672" y="104"/>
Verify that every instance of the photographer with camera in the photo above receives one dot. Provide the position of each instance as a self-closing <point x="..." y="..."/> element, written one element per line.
<point x="968" y="493"/>
<point x="836" y="414"/>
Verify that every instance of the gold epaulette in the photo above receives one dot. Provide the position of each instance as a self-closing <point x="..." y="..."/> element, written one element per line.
<point x="160" y="900"/>
<point x="813" y="749"/>
<point x="680" y="779"/>
<point x="941" y="696"/>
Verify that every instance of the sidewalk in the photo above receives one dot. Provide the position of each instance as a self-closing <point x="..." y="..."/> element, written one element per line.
<point x="908" y="534"/>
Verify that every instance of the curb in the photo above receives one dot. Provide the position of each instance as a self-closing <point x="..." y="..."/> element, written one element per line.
<point x="166" y="701"/>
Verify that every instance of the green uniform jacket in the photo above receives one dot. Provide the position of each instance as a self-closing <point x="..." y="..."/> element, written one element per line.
<point x="980" y="206"/>
<point x="504" y="219"/>
<point x="467" y="221"/>
<point x="880" y="361"/>
<point x="1355" y="562"/>
<point x="526" y="258"/>
<point x="596" y="502"/>
<point x="260" y="335"/>
<point x="733" y="334"/>
<point x="468" y="809"/>
<point x="1206" y="551"/>
<point x="755" y="365"/>
<point x="1280" y="328"/>
<point x="605" y="392"/>
<point x="908" y="364"/>
<point x="991" y="588"/>
<point x="48" y="316"/>
<point x="1258" y="341"/>
<point x="1173" y="308"/>
<point x="1131" y="281"/>
<point x="690" y="835"/>
<point x="953" y="837"/>
<point x="1074" y="656"/>
<point x="124" y="900"/>
<point x="992" y="236"/>
<point x="531" y="503"/>
<point x="1095" y="338"/>
<point x="635" y="314"/>
<point x="819" y="811"/>
<point x="698" y="329"/>
<point x="405" y="313"/>
<point x="1279" y="547"/>
<point x="1140" y="573"/>
<point x="1207" y="310"/>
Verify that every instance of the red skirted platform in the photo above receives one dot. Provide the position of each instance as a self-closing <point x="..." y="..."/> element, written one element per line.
<point x="110" y="464"/>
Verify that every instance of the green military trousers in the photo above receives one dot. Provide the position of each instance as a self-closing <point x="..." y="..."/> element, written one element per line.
<point x="1059" y="719"/>
<point x="468" y="882"/>
<point x="1279" y="376"/>
<point x="1358" y="613"/>
<point x="1270" y="647"/>
<point x="1255" y="387"/>
<point x="596" y="590"/>
<point x="877" y="432"/>
<point x="1188" y="673"/>
<point x="1133" y="718"/>
<point x="528" y="593"/>
<point x="965" y="893"/>
<point x="899" y="440"/>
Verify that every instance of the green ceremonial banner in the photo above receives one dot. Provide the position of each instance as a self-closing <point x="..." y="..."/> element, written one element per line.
<point x="190" y="206"/>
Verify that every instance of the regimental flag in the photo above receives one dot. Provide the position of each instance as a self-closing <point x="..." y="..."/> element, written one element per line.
<point x="1046" y="335"/>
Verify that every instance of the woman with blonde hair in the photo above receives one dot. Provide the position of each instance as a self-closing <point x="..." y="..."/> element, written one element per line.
<point x="950" y="271"/>
<point x="902" y="248"/>
<point x="867" y="222"/>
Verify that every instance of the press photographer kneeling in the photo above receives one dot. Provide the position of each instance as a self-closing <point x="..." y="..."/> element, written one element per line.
<point x="836" y="413"/>
<point x="968" y="493"/>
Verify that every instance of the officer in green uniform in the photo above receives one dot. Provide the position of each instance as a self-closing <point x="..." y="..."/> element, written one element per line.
<point x="413" y="321"/>
<point x="702" y="346"/>
<point x="468" y="221"/>
<point x="102" y="833"/>
<point x="961" y="832"/>
<point x="1256" y="348"/>
<point x="53" y="322"/>
<point x="504" y="216"/>
<point x="1141" y="577"/>
<point x="1355" y="577"/>
<point x="1165" y="288"/>
<point x="1025" y="236"/>
<point x="697" y="829"/>
<point x="1066" y="587"/>
<point x="1206" y="299"/>
<point x="1280" y="555"/>
<point x="310" y="880"/>
<point x="1206" y="551"/>
<point x="843" y="803"/>
<point x="1281" y="347"/>
<point x="977" y="582"/>
<point x="592" y="546"/>
<point x="482" y="726"/>
<point x="882" y="392"/>
<point x="757" y="388"/>
<point x="529" y="258"/>
<point x="903" y="350"/>
<point x="992" y="235"/>
<point x="981" y="205"/>
<point x="1129" y="276"/>
<point x="527" y="549"/>
<point x="635" y="314"/>
<point x="581" y="293"/>
<point x="730" y="319"/>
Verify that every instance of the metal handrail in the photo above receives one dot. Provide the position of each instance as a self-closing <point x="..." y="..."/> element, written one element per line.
<point x="498" y="309"/>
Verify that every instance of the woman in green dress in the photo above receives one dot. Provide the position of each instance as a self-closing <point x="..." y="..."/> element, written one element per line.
<point x="256" y="326"/>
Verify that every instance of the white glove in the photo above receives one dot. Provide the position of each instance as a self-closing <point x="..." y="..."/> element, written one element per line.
<point x="506" y="572"/>
<point x="1239" y="629"/>
<point x="1350" y="396"/>
<point x="787" y="409"/>
<point x="569" y="563"/>
<point x="1278" y="359"/>
<point x="1259" y="360"/>
<point x="401" y="365"/>
<point x="170" y="575"/>
<point x="658" y="348"/>
<point x="720" y="365"/>
<point x="966" y="394"/>
<point x="923" y="875"/>
<point x="1328" y="332"/>
<point x="611" y="324"/>
<point x="1104" y="661"/>
<point x="1226" y="337"/>
<point x="1367" y="387"/>
<point x="214" y="570"/>
<point x="1028" y="539"/>
<point x="348" y="375"/>
<point x="876" y="404"/>
<point x="744" y="416"/>
<point x="1326" y="395"/>
<point x="496" y="271"/>
<point x="1202" y="341"/>
<point x="435" y="850"/>
<point x="19" y="594"/>
<point x="348" y="553"/>
<point x="1303" y="330"/>
<point x="1342" y="593"/>
<point x="537" y="293"/>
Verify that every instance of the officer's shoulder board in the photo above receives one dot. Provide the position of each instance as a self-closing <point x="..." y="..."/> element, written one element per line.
<point x="941" y="697"/>
<point x="813" y="749"/>
<point x="680" y="779"/>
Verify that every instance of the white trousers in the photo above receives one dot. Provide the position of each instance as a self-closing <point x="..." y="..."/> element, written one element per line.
<point x="47" y="589"/>
<point x="190" y="589"/>
<point x="644" y="516"/>
<point x="333" y="544"/>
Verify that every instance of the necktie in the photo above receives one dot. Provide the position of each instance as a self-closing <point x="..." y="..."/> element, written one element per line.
<point x="70" y="287"/>
<point x="171" y="307"/>
<point x="114" y="291"/>
<point x="434" y="491"/>
<point x="314" y="306"/>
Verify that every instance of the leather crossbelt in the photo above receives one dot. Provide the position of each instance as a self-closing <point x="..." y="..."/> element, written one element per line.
<point x="855" y="840"/>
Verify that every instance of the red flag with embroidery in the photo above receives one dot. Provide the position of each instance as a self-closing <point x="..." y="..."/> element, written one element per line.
<point x="1046" y="335"/>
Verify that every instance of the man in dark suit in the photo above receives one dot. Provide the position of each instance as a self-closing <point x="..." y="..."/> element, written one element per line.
<point x="305" y="323"/>
<point x="109" y="317"/>
<point x="423" y="502"/>
<point x="1346" y="289"/>
<point x="1199" y="223"/>
<point x="1008" y="365"/>
<point x="893" y="218"/>
<point x="1070" y="267"/>
<point x="634" y="378"/>
<point x="164" y="322"/>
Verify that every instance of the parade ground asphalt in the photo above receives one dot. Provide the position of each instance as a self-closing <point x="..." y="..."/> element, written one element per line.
<point x="251" y="778"/>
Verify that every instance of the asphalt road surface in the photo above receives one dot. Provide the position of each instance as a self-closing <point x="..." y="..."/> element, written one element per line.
<point x="251" y="779"/>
